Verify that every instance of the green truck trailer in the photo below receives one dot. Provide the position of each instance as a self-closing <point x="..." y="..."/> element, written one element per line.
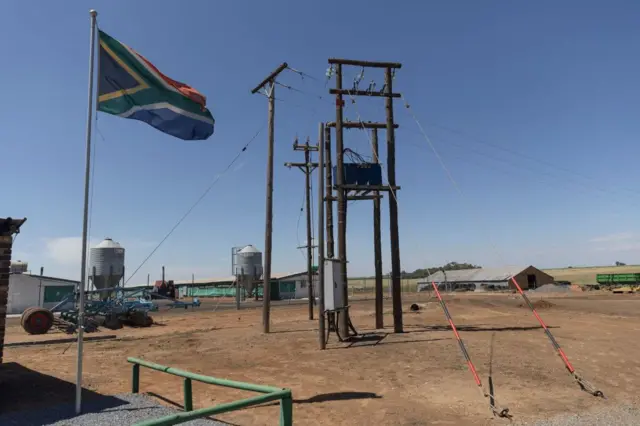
<point x="614" y="279"/>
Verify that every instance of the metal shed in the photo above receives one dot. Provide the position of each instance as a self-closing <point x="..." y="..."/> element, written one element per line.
<point x="527" y="277"/>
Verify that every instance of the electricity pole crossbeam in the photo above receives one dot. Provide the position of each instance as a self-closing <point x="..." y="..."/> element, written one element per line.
<point x="270" y="78"/>
<point x="268" y="234"/>
<point x="302" y="166"/>
<point x="352" y="187"/>
<point x="307" y="168"/>
<point x="305" y="147"/>
<point x="369" y="64"/>
<point x="344" y="189"/>
<point x="355" y="197"/>
<point x="361" y="124"/>
<point x="363" y="93"/>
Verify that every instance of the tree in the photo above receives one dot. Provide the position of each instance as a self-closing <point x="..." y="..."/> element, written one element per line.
<point x="451" y="266"/>
<point x="620" y="263"/>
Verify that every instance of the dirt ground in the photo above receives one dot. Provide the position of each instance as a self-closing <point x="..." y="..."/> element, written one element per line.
<point x="415" y="378"/>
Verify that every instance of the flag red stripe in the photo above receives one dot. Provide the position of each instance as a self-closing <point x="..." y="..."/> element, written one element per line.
<point x="185" y="89"/>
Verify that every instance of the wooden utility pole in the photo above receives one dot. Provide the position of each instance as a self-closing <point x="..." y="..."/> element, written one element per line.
<point x="343" y="188"/>
<point x="321" y="167"/>
<point x="268" y="233"/>
<point x="377" y="243"/>
<point x="307" y="168"/>
<point x="396" y="289"/>
<point x="343" y="325"/>
<point x="329" y="193"/>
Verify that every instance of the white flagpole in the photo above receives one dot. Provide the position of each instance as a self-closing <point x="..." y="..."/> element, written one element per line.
<point x="83" y="267"/>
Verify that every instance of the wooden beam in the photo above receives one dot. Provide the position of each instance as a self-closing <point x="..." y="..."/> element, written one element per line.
<point x="270" y="77"/>
<point x="358" y="63"/>
<point x="364" y="93"/>
<point x="356" y="197"/>
<point x="360" y="125"/>
<point x="349" y="187"/>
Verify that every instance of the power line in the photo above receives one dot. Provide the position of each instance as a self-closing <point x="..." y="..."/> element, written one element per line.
<point x="482" y="141"/>
<point x="294" y="89"/>
<point x="194" y="205"/>
<point x="559" y="178"/>
<point x="302" y="74"/>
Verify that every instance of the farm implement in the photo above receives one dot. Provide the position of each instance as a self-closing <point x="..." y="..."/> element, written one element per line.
<point x="112" y="313"/>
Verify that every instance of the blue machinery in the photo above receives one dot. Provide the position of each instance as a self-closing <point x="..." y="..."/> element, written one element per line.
<point x="118" y="308"/>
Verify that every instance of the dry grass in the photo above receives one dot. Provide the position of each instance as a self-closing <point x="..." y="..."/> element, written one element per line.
<point x="413" y="378"/>
<point x="587" y="275"/>
<point x="577" y="275"/>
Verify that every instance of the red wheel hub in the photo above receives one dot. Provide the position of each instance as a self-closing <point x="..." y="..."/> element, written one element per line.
<point x="39" y="321"/>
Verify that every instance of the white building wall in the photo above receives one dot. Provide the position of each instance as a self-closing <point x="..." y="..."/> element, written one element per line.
<point x="27" y="290"/>
<point x="302" y="292"/>
<point x="23" y="293"/>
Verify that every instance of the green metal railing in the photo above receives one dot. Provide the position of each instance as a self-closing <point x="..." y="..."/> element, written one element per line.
<point x="269" y="394"/>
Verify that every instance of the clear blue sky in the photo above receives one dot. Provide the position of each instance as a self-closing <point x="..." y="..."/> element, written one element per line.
<point x="533" y="107"/>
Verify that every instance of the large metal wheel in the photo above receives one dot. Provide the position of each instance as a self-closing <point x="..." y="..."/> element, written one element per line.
<point x="112" y="322"/>
<point x="37" y="320"/>
<point x="140" y="319"/>
<point x="25" y="314"/>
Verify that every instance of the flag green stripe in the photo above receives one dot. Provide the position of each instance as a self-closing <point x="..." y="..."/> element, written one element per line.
<point x="149" y="96"/>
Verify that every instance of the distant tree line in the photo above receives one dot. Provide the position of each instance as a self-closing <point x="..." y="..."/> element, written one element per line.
<point x="424" y="272"/>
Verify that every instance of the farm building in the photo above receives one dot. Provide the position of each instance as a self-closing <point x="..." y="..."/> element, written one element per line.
<point x="26" y="290"/>
<point x="283" y="286"/>
<point x="527" y="277"/>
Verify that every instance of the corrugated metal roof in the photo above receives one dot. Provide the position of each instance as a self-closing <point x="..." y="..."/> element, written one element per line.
<point x="274" y="276"/>
<point x="473" y="275"/>
<point x="45" y="277"/>
<point x="230" y="278"/>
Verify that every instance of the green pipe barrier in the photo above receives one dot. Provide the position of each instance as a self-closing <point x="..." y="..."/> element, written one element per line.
<point x="188" y="395"/>
<point x="174" y="419"/>
<point x="269" y="394"/>
<point x="204" y="379"/>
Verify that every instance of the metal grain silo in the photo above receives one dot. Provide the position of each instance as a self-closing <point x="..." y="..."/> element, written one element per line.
<point x="108" y="260"/>
<point x="248" y="263"/>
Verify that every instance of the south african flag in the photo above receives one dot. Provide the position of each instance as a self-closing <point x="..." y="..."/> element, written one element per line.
<point x="130" y="86"/>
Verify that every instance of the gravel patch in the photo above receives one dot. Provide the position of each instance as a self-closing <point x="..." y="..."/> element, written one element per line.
<point x="120" y="410"/>
<point x="622" y="415"/>
<point x="551" y="288"/>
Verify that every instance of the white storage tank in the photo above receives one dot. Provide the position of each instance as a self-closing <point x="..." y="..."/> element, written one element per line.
<point x="19" y="267"/>
<point x="108" y="260"/>
<point x="248" y="263"/>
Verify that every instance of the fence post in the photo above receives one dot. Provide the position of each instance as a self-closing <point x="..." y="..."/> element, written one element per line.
<point x="188" y="398"/>
<point x="286" y="411"/>
<point x="135" y="378"/>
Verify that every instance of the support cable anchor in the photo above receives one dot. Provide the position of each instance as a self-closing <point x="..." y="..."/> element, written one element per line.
<point x="493" y="404"/>
<point x="583" y="383"/>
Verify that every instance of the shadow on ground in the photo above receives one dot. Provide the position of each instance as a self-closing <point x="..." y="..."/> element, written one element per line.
<point x="375" y="339"/>
<point x="425" y="328"/>
<point x="337" y="396"/>
<point x="322" y="397"/>
<point x="25" y="391"/>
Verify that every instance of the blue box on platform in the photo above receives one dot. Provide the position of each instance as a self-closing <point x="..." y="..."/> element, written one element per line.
<point x="360" y="174"/>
